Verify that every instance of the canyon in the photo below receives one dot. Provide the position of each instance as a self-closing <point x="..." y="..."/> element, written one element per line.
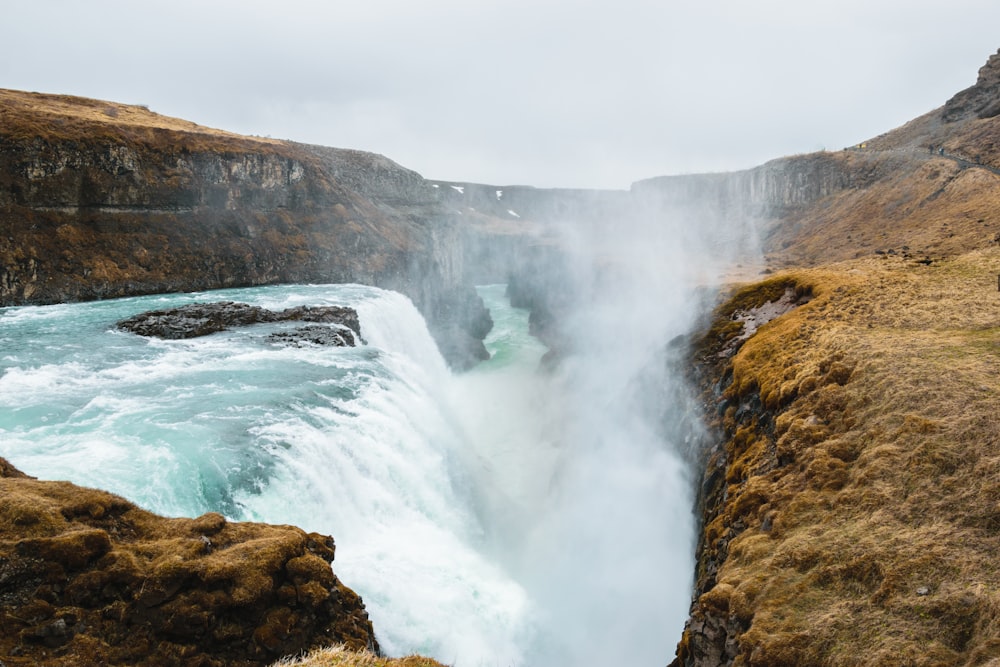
<point x="850" y="497"/>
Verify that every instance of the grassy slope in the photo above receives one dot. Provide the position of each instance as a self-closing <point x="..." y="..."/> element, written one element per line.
<point x="882" y="474"/>
<point x="861" y="524"/>
<point x="65" y="117"/>
<point x="337" y="656"/>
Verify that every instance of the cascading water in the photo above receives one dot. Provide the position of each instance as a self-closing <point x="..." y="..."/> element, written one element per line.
<point x="355" y="442"/>
<point x="505" y="516"/>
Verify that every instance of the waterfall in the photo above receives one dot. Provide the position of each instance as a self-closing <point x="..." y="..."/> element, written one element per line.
<point x="505" y="516"/>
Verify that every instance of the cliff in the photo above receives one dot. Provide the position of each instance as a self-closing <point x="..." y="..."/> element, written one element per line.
<point x="101" y="200"/>
<point x="87" y="578"/>
<point x="850" y="502"/>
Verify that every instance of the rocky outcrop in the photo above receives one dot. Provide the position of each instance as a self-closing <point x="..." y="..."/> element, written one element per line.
<point x="712" y="632"/>
<point x="100" y="200"/>
<point x="201" y="319"/>
<point x="87" y="578"/>
<point x="981" y="100"/>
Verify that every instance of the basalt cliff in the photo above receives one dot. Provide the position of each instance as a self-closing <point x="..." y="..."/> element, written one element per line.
<point x="101" y="200"/>
<point x="850" y="495"/>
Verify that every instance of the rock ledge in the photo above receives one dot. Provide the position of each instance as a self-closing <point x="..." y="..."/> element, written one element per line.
<point x="88" y="578"/>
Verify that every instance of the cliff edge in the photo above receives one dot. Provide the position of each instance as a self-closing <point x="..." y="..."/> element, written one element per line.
<point x="851" y="503"/>
<point x="88" y="578"/>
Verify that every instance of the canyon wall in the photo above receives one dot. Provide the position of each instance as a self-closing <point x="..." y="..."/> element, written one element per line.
<point x="99" y="200"/>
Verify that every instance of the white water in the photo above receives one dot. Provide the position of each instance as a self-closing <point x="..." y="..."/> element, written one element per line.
<point x="501" y="517"/>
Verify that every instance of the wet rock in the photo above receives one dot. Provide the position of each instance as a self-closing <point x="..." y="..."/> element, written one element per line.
<point x="202" y="319"/>
<point x="314" y="335"/>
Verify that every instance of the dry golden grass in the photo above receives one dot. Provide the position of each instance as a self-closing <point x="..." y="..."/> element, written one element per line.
<point x="338" y="656"/>
<point x="902" y="198"/>
<point x="863" y="523"/>
<point x="202" y="589"/>
<point x="26" y="115"/>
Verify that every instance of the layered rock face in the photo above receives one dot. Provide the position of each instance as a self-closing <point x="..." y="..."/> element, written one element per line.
<point x="87" y="578"/>
<point x="99" y="200"/>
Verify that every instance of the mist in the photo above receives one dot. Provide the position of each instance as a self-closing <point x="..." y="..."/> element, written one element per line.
<point x="586" y="461"/>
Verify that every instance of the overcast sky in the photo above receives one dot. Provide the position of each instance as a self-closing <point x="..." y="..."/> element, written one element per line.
<point x="580" y="93"/>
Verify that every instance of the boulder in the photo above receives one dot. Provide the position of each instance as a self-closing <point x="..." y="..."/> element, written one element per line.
<point x="202" y="319"/>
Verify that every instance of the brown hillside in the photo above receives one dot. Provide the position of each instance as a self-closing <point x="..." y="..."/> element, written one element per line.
<point x="920" y="207"/>
<point x="852" y="506"/>
<point x="927" y="190"/>
<point x="101" y="200"/>
<point x="53" y="118"/>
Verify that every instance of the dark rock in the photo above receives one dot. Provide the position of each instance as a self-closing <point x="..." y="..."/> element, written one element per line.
<point x="202" y="319"/>
<point x="981" y="100"/>
<point x="314" y="335"/>
<point x="198" y="319"/>
<point x="55" y="633"/>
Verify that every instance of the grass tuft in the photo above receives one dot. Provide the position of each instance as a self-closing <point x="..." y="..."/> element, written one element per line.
<point x="339" y="656"/>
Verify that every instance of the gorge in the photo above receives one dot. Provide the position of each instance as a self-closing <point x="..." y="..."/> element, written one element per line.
<point x="561" y="529"/>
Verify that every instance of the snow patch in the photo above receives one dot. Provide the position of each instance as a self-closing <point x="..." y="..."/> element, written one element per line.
<point x="460" y="189"/>
<point x="499" y="194"/>
<point x="513" y="213"/>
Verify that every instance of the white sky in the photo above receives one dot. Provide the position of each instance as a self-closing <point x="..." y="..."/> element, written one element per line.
<point x="577" y="93"/>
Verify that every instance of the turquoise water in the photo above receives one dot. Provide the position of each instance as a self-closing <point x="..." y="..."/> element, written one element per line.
<point x="499" y="517"/>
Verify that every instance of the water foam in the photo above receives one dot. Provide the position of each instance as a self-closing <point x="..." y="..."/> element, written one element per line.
<point x="355" y="442"/>
<point x="500" y="517"/>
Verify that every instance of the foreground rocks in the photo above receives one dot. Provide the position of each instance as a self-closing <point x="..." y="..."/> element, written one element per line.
<point x="201" y="319"/>
<point x="88" y="578"/>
